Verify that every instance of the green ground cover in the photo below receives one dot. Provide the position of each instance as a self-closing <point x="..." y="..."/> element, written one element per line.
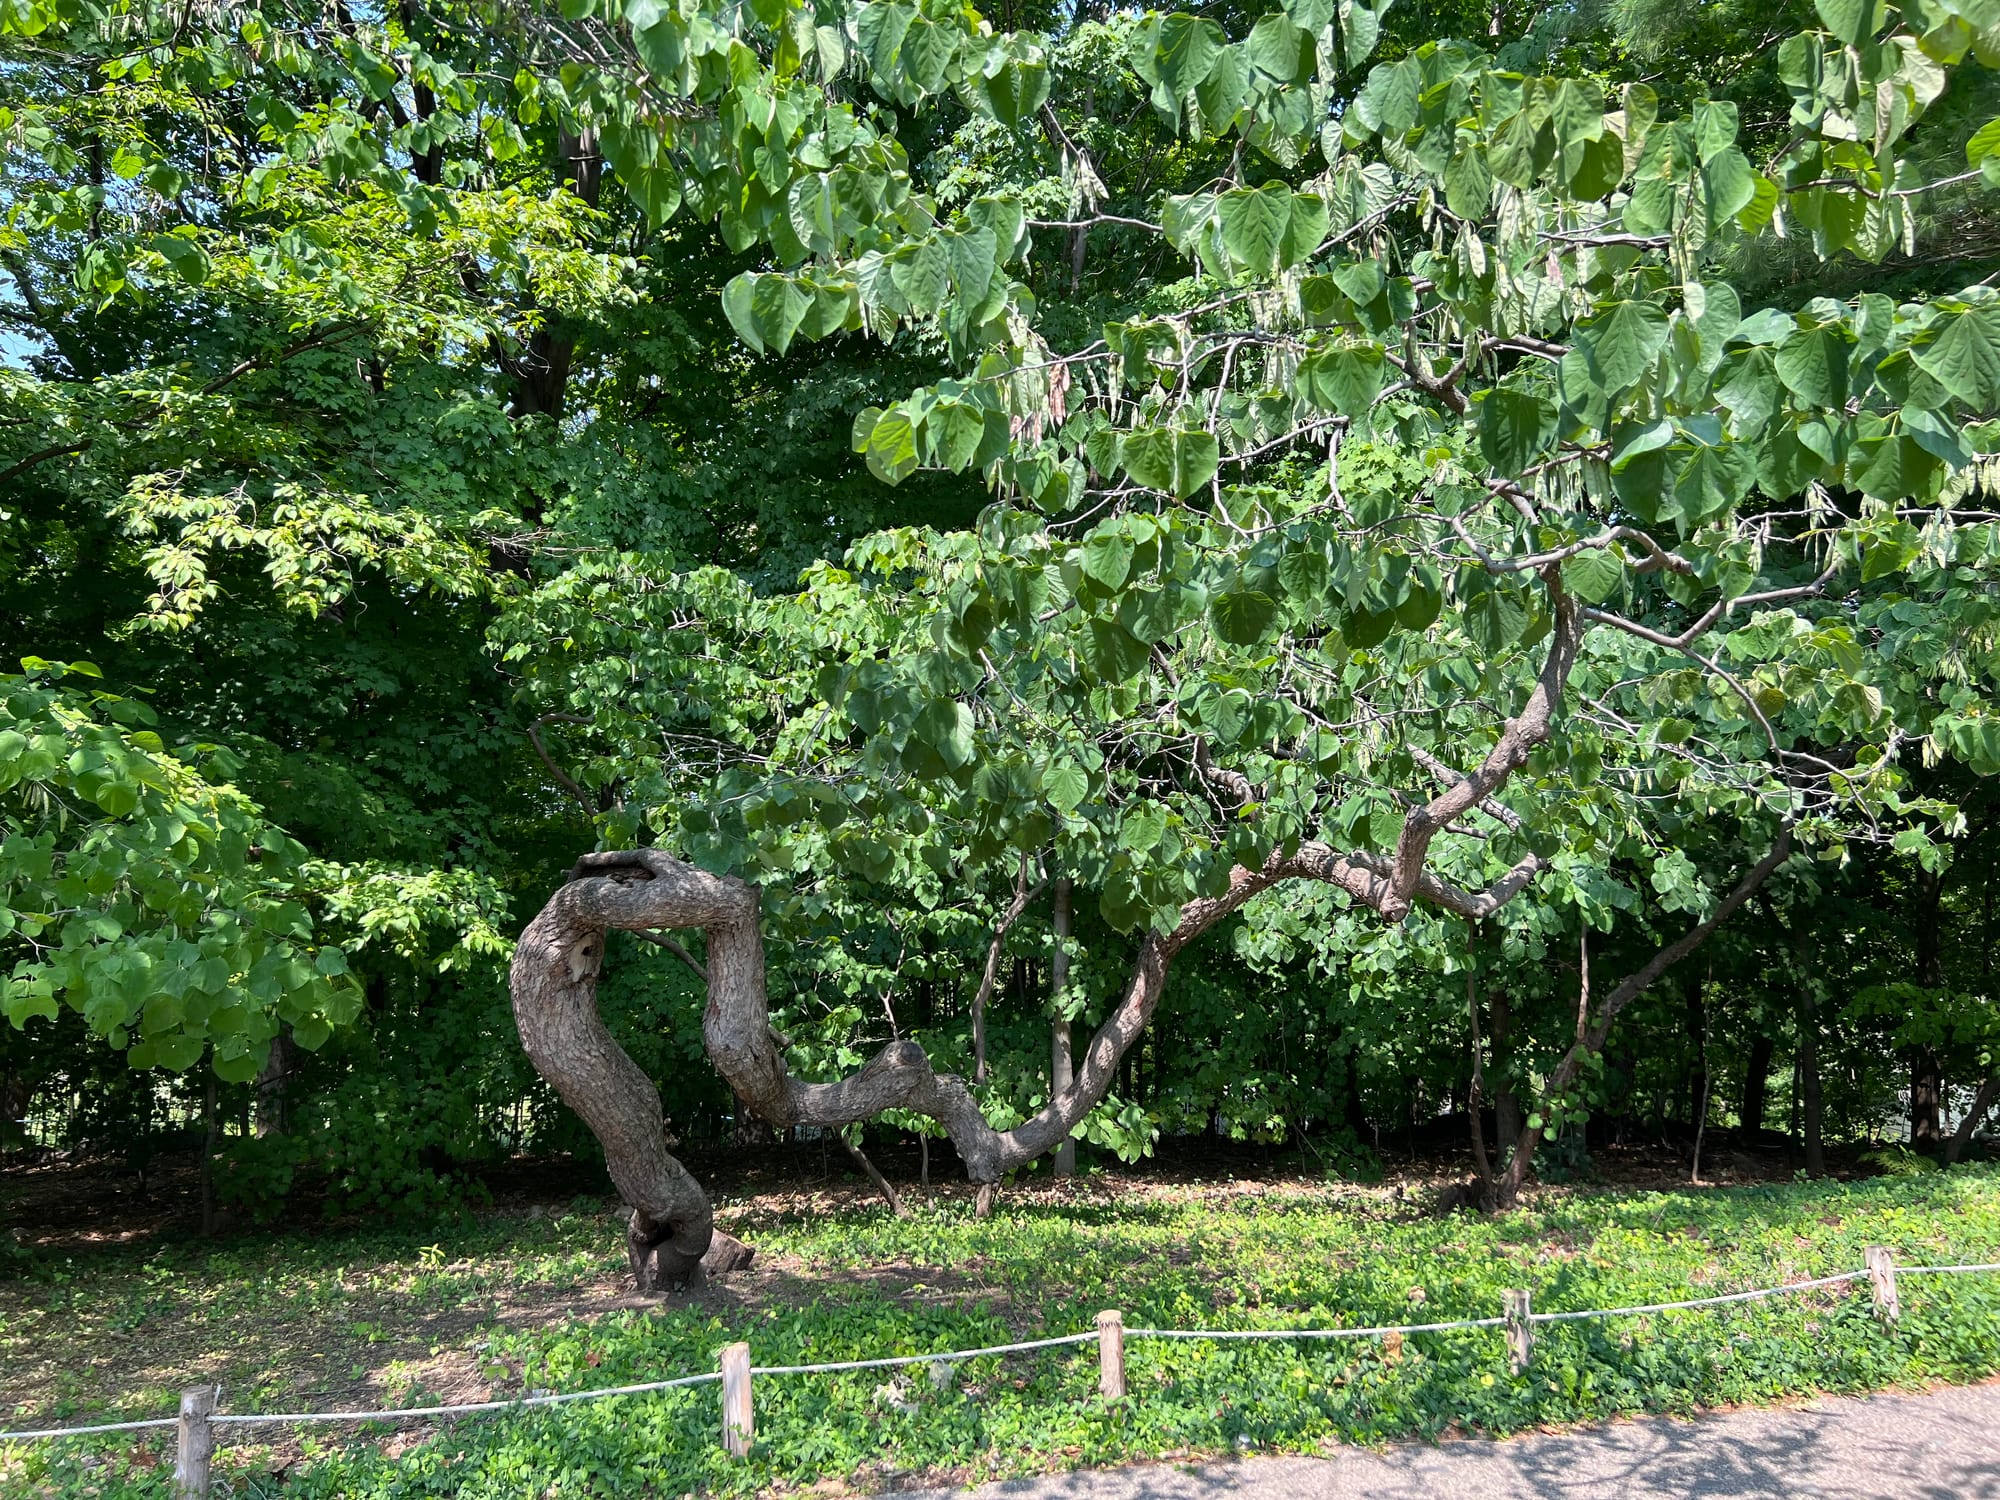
<point x="854" y="1283"/>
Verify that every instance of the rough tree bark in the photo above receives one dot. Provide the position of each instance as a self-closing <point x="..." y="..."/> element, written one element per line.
<point x="671" y="1234"/>
<point x="270" y="1087"/>
<point x="541" y="372"/>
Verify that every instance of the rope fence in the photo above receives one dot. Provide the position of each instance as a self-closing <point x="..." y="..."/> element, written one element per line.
<point x="951" y="1358"/>
<point x="198" y="1419"/>
<point x="1310" y="1333"/>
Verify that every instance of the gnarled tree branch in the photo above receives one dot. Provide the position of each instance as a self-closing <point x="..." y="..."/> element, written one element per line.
<point x="1518" y="737"/>
<point x="554" y="981"/>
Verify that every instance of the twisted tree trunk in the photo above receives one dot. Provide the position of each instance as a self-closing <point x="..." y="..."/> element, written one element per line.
<point x="671" y="1235"/>
<point x="671" y="1232"/>
<point x="554" y="984"/>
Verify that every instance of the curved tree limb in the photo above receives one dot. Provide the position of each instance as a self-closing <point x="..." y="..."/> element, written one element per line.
<point x="563" y="779"/>
<point x="874" y="1174"/>
<point x="1981" y="1103"/>
<point x="1518" y="737"/>
<point x="675" y="947"/>
<point x="554" y="983"/>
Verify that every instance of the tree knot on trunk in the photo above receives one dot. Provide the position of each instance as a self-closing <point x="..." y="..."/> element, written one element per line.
<point x="582" y="960"/>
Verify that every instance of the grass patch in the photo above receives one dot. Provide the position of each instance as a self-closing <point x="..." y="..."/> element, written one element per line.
<point x="510" y="1305"/>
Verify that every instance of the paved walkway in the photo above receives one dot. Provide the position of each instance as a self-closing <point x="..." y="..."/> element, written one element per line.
<point x="1944" y="1445"/>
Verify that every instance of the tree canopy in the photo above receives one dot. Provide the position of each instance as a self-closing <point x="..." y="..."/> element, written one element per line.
<point x="1411" y="482"/>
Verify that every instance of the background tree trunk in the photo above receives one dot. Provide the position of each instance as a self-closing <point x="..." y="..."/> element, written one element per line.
<point x="1812" y="1119"/>
<point x="269" y="1090"/>
<point x="210" y="1136"/>
<point x="1062" y="1062"/>
<point x="1694" y="994"/>
<point x="1756" y="1085"/>
<point x="1701" y="1082"/>
<point x="1926" y="1077"/>
<point x="1591" y="1034"/>
<point x="1806" y="1103"/>
<point x="874" y="1174"/>
<point x="1506" y="1104"/>
<point x="541" y="374"/>
<point x="1962" y="1137"/>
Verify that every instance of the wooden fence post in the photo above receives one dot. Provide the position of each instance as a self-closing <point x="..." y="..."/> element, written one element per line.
<point x="1111" y="1354"/>
<point x="1882" y="1282"/>
<point x="196" y="1443"/>
<point x="739" y="1426"/>
<point x="1520" y="1331"/>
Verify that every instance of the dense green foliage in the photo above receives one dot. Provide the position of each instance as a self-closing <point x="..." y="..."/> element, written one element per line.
<point x="894" y="456"/>
<point x="1292" y="1257"/>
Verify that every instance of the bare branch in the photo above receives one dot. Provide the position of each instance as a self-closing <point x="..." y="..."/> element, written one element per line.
<point x="1637" y="241"/>
<point x="338" y="333"/>
<point x="1749" y="700"/>
<point x="42" y="457"/>
<point x="673" y="946"/>
<point x="882" y="1185"/>
<point x="1634" y="984"/>
<point x="1240" y="788"/>
<point x="1517" y="738"/>
<point x="1715" y="612"/>
<point x="1450" y="777"/>
<point x="1657" y="557"/>
<point x="1092" y="222"/>
<point x="563" y="778"/>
